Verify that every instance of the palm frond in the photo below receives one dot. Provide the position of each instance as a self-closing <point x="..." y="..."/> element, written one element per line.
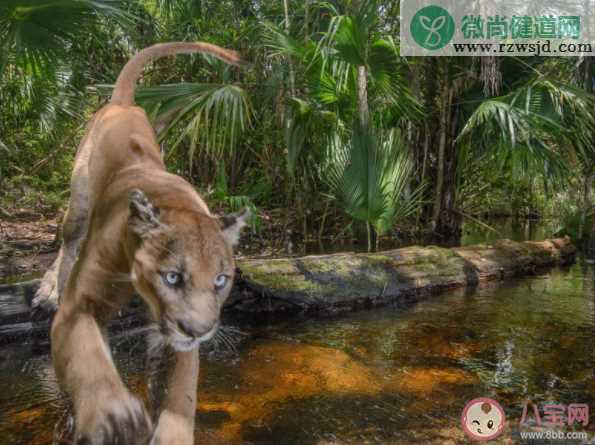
<point x="304" y="121"/>
<point x="387" y="79"/>
<point x="279" y="43"/>
<point x="167" y="8"/>
<point x="370" y="175"/>
<point x="212" y="116"/>
<point x="235" y="202"/>
<point x="40" y="33"/>
<point x="400" y="202"/>
<point x="532" y="124"/>
<point x="348" y="34"/>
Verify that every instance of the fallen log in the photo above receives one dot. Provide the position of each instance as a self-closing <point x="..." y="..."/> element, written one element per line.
<point x="334" y="282"/>
<point x="348" y="280"/>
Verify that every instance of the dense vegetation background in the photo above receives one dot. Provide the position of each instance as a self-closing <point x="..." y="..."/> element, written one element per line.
<point x="328" y="133"/>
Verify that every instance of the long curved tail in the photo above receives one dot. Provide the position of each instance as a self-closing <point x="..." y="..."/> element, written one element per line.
<point x="124" y="91"/>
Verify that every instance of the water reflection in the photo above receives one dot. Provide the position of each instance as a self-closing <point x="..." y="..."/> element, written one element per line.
<point x="386" y="376"/>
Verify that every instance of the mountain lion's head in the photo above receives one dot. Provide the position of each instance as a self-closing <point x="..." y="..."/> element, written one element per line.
<point x="183" y="267"/>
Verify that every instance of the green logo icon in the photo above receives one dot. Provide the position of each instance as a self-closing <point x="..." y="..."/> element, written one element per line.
<point x="432" y="27"/>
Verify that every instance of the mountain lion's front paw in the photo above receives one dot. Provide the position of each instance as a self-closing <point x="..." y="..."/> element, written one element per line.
<point x="110" y="418"/>
<point x="173" y="429"/>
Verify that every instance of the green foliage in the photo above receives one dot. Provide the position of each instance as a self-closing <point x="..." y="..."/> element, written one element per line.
<point x="524" y="128"/>
<point x="33" y="192"/>
<point x="211" y="116"/>
<point x="37" y="34"/>
<point x="330" y="75"/>
<point x="42" y="81"/>
<point x="236" y="202"/>
<point x="370" y="176"/>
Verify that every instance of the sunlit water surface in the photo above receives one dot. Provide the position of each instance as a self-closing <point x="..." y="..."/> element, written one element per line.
<point x="382" y="376"/>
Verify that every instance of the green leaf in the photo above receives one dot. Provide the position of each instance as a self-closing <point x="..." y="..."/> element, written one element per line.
<point x="529" y="128"/>
<point x="40" y="32"/>
<point x="211" y="116"/>
<point x="370" y="175"/>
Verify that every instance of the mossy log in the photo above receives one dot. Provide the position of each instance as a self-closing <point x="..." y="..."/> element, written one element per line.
<point x="332" y="282"/>
<point x="350" y="279"/>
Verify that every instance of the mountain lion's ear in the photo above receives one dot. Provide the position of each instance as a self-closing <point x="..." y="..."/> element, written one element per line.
<point x="144" y="216"/>
<point x="233" y="224"/>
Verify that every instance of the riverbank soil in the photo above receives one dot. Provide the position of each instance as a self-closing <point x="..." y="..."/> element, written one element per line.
<point x="27" y="246"/>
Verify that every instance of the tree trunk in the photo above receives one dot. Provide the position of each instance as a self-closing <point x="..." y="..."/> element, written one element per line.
<point x="306" y="20"/>
<point x="446" y="221"/>
<point x="287" y="124"/>
<point x="362" y="96"/>
<point x="289" y="62"/>
<point x="588" y="84"/>
<point x="430" y="92"/>
<point x="589" y="177"/>
<point x="588" y="74"/>
<point x="586" y="202"/>
<point x="438" y="196"/>
<point x="326" y="282"/>
<point x="362" y="81"/>
<point x="424" y="163"/>
<point x="426" y="148"/>
<point x="364" y="120"/>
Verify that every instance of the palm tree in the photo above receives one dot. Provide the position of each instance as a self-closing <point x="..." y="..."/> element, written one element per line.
<point x="536" y="128"/>
<point x="370" y="176"/>
<point x="347" y="71"/>
<point x="41" y="77"/>
<point x="543" y="126"/>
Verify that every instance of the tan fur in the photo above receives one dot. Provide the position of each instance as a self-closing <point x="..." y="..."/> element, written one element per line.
<point x="128" y="217"/>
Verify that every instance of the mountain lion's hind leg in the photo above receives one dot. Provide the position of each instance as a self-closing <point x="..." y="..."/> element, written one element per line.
<point x="46" y="296"/>
<point x="74" y="230"/>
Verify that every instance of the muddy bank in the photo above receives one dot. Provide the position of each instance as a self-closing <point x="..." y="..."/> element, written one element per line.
<point x="26" y="247"/>
<point x="334" y="282"/>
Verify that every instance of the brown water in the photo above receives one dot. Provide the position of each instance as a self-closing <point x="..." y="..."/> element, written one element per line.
<point x="383" y="376"/>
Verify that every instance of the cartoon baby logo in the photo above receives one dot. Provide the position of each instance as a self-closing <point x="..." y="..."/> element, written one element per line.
<point x="483" y="419"/>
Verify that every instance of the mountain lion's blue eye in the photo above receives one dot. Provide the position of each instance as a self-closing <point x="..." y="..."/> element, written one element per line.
<point x="173" y="278"/>
<point x="221" y="281"/>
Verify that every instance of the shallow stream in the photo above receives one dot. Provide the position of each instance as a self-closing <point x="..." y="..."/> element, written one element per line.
<point x="382" y="376"/>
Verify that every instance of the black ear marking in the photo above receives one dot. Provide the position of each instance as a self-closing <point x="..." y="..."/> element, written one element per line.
<point x="144" y="216"/>
<point x="234" y="223"/>
<point x="232" y="218"/>
<point x="228" y="220"/>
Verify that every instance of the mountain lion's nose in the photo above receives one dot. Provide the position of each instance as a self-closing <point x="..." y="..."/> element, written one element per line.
<point x="193" y="330"/>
